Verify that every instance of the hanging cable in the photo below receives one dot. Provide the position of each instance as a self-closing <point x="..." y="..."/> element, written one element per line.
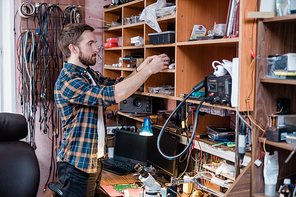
<point x="26" y="67"/>
<point x="72" y="14"/>
<point x="196" y="88"/>
<point x="26" y="10"/>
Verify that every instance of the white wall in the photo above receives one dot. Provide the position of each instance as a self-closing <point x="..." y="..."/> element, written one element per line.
<point x="7" y="62"/>
<point x="1" y="58"/>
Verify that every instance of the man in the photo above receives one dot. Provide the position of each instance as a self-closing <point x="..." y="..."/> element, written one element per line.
<point x="80" y="93"/>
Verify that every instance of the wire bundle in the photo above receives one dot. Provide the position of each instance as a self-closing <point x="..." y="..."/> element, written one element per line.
<point x="72" y="14"/>
<point x="39" y="63"/>
<point x="26" y="10"/>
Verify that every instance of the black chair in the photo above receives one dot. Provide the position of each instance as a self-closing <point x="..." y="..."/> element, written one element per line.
<point x="19" y="168"/>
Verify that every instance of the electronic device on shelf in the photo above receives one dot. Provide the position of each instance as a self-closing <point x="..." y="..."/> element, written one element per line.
<point x="140" y="104"/>
<point x="219" y="89"/>
<point x="136" y="103"/>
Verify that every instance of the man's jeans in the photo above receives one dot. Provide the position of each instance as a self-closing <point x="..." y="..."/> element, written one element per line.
<point x="77" y="183"/>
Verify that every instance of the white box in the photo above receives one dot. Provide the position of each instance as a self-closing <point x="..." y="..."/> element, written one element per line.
<point x="291" y="61"/>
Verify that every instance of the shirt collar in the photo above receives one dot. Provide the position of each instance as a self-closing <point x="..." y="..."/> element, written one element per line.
<point x="74" y="67"/>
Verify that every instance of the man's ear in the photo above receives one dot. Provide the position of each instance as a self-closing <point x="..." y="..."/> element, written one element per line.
<point x="74" y="49"/>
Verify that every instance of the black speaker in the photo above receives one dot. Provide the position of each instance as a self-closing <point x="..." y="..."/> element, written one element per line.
<point x="136" y="103"/>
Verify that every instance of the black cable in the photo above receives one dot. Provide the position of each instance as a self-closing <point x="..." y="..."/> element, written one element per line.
<point x="196" y="88"/>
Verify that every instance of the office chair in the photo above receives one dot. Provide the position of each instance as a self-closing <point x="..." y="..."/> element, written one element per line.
<point x="19" y="168"/>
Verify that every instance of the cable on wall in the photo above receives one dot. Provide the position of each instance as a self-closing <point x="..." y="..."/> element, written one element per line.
<point x="26" y="10"/>
<point x="72" y="14"/>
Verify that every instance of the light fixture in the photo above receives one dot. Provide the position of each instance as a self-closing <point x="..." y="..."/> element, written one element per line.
<point x="146" y="128"/>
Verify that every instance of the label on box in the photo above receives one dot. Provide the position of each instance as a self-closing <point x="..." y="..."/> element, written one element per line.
<point x="198" y="30"/>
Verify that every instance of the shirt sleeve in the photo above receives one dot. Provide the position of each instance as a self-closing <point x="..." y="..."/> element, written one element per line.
<point x="78" y="90"/>
<point x="106" y="81"/>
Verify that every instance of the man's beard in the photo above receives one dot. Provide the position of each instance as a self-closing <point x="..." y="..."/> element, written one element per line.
<point x="87" y="61"/>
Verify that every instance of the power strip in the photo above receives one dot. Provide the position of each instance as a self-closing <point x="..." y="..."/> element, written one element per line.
<point x="111" y="129"/>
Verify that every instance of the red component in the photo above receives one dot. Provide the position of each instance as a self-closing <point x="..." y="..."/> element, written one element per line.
<point x="109" y="45"/>
<point x="112" y="40"/>
<point x="211" y="94"/>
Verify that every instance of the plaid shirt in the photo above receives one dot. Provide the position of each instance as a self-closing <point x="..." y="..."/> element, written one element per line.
<point x="78" y="100"/>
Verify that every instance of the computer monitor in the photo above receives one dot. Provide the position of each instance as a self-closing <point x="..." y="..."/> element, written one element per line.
<point x="169" y="146"/>
<point x="130" y="146"/>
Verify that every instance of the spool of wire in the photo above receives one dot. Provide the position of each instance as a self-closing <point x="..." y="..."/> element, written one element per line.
<point x="26" y="10"/>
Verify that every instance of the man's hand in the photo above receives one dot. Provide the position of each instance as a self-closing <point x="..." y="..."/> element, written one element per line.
<point x="130" y="84"/>
<point x="155" y="63"/>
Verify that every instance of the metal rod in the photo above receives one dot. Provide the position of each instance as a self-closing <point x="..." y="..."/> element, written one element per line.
<point x="99" y="20"/>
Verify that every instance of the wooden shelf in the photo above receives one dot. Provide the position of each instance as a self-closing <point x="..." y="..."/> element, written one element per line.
<point x="263" y="195"/>
<point x="159" y="96"/>
<point x="166" y="18"/>
<point x="181" y="99"/>
<point x="134" y="25"/>
<point x="113" y="49"/>
<point x="278" y="81"/>
<point x="288" y="18"/>
<point x="283" y="145"/>
<point x="132" y="47"/>
<point x="123" y="5"/>
<point x="132" y="69"/>
<point x="215" y="42"/>
<point x="208" y="104"/>
<point x="160" y="45"/>
<point x="114" y="28"/>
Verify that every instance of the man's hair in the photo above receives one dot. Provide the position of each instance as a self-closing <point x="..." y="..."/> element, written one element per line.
<point x="71" y="34"/>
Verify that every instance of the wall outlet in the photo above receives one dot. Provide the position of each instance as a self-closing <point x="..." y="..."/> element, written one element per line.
<point x="111" y="130"/>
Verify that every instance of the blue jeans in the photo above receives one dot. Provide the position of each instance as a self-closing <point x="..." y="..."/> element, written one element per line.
<point x="77" y="183"/>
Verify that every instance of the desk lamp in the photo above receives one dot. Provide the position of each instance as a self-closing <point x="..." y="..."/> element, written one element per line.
<point x="146" y="128"/>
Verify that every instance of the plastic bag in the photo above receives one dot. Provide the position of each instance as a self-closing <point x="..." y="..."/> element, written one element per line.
<point x="148" y="14"/>
<point x="271" y="168"/>
<point x="225" y="168"/>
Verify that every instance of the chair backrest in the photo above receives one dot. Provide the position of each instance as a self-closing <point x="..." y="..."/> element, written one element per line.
<point x="19" y="168"/>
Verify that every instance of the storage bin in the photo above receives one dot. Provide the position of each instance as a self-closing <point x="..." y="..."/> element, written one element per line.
<point x="162" y="37"/>
<point x="112" y="40"/>
<point x="109" y="45"/>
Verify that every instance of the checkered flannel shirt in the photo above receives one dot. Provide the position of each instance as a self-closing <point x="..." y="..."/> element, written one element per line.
<point x="78" y="100"/>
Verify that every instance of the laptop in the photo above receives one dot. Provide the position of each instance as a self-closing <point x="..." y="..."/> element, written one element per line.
<point x="129" y="149"/>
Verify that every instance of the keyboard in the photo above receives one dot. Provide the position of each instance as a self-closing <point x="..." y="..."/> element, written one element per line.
<point x="120" y="166"/>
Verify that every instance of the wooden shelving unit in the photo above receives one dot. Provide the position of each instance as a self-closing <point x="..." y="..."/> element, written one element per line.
<point x="276" y="35"/>
<point x="193" y="59"/>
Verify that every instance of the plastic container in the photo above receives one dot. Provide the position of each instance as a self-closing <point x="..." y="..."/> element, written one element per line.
<point x="110" y="45"/>
<point x="162" y="37"/>
<point x="127" y="21"/>
<point x="269" y="189"/>
<point x="112" y="40"/>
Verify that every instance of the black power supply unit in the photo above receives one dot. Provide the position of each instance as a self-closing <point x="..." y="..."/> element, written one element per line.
<point x="218" y="89"/>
